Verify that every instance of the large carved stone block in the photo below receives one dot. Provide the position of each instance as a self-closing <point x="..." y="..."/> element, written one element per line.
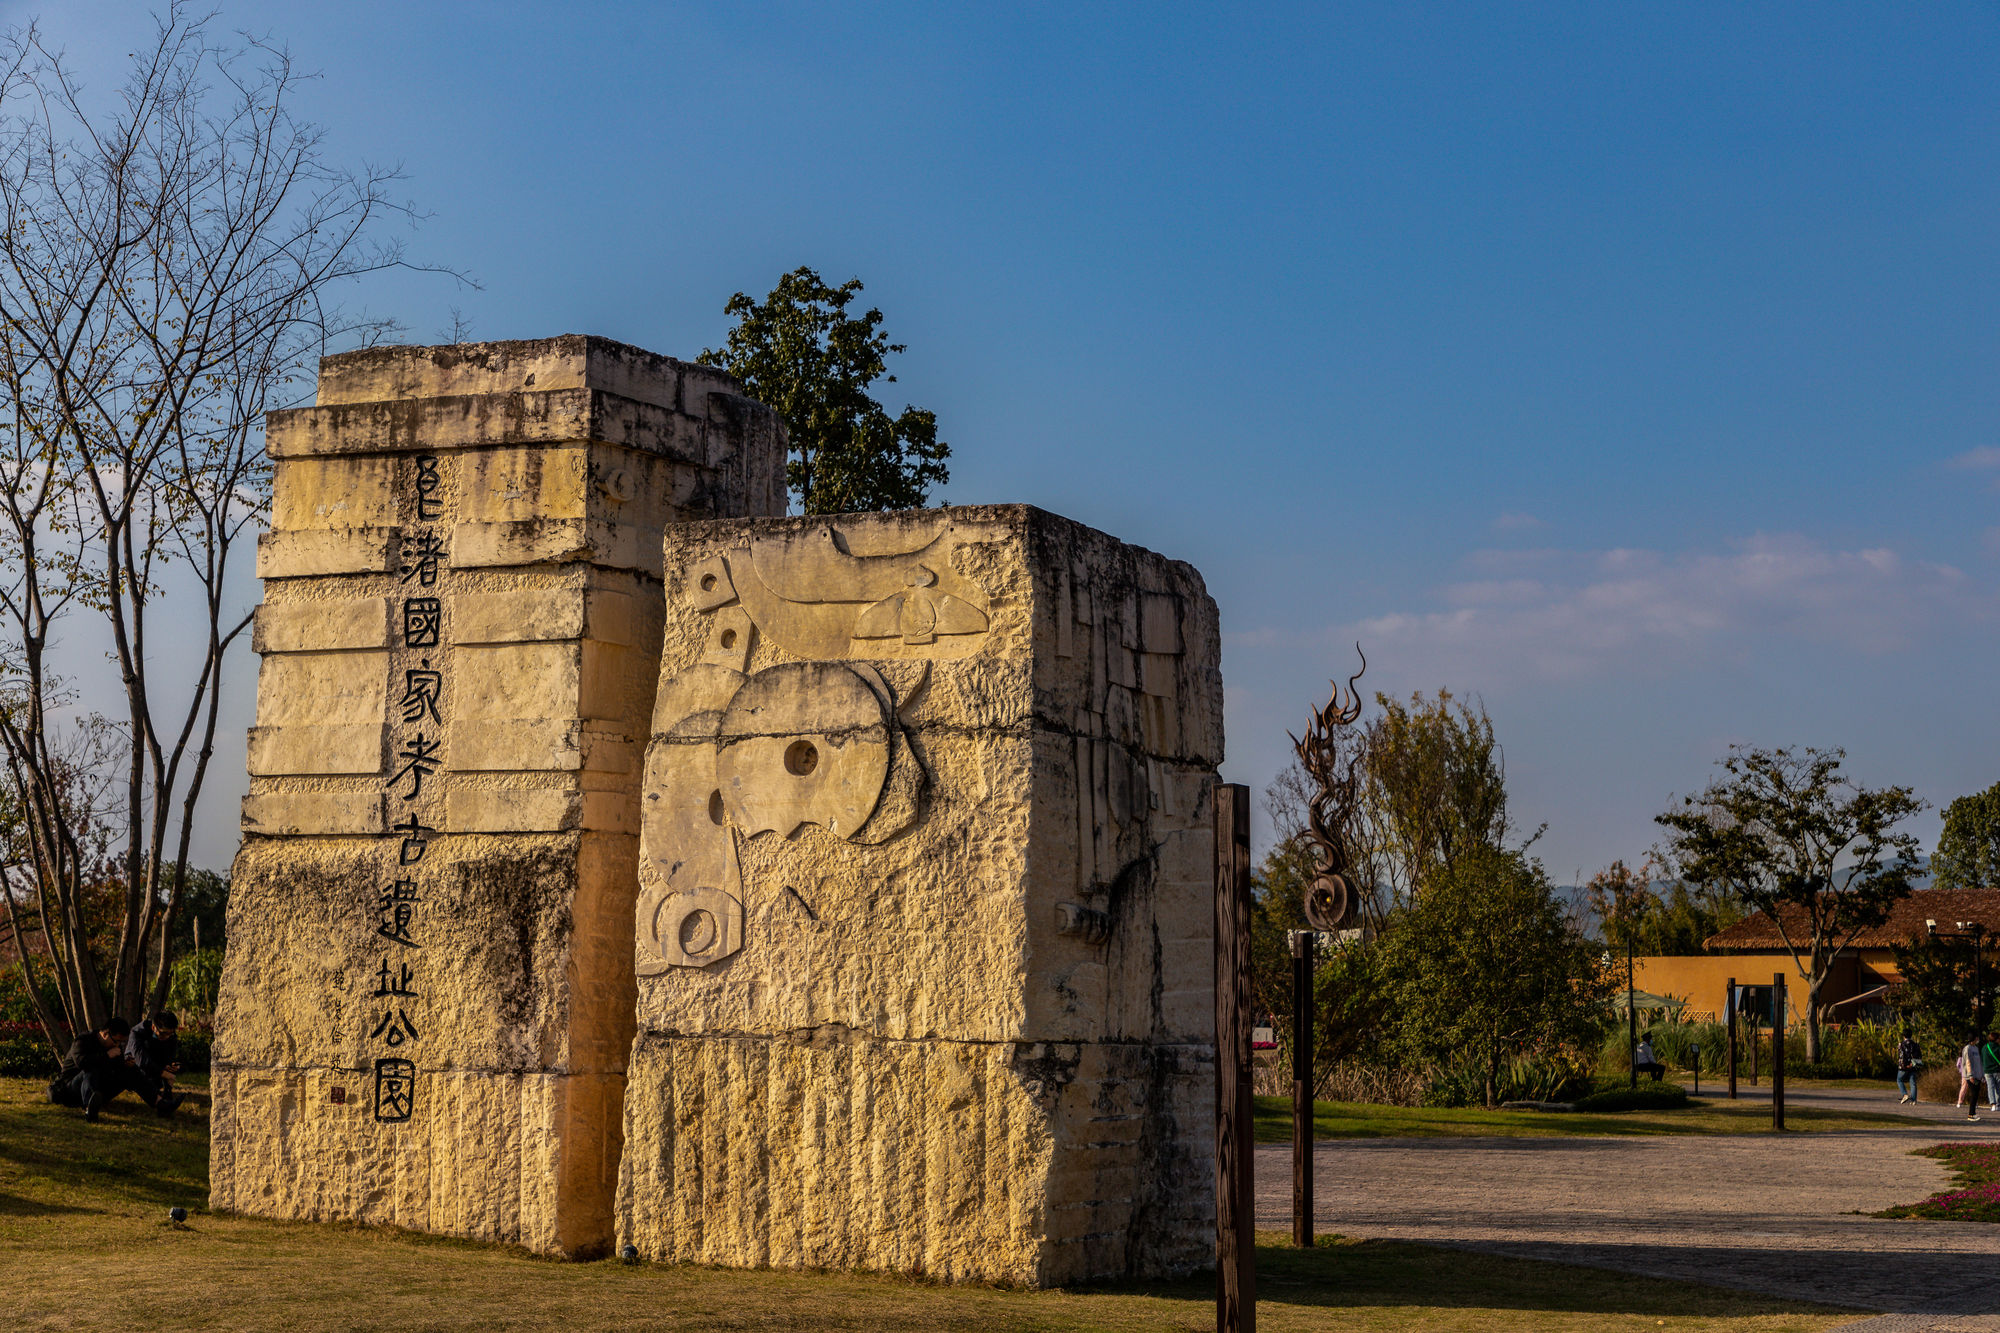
<point x="428" y="1000"/>
<point x="925" y="923"/>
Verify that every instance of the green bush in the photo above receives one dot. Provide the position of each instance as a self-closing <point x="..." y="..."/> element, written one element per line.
<point x="1676" y="1044"/>
<point x="194" y="984"/>
<point x="1859" y="1050"/>
<point x="23" y="1052"/>
<point x="16" y="1005"/>
<point x="1645" y="1097"/>
<point x="1546" y="1076"/>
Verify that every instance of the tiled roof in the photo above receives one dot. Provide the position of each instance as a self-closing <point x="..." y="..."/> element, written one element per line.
<point x="1906" y="920"/>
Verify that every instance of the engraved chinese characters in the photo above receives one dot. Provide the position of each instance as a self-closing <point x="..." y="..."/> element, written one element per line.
<point x="459" y="641"/>
<point x="416" y="704"/>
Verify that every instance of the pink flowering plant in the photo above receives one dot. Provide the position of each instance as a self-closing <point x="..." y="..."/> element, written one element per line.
<point x="1977" y="1198"/>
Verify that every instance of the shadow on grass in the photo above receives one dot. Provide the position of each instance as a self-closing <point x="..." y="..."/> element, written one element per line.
<point x="1339" y="1273"/>
<point x="13" y="1205"/>
<point x="53" y="1160"/>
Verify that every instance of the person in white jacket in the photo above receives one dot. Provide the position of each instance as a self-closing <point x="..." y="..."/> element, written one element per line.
<point x="1972" y="1077"/>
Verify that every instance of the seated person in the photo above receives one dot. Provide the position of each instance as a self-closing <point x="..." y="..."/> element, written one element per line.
<point x="152" y="1058"/>
<point x="1643" y="1061"/>
<point x="93" y="1070"/>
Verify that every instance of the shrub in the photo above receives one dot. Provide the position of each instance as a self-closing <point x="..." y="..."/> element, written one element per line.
<point x="195" y="982"/>
<point x="16" y="1005"/>
<point x="1677" y="1044"/>
<point x="1359" y="1081"/>
<point x="1645" y="1097"/>
<point x="24" y="1053"/>
<point x="1938" y="1083"/>
<point x="1547" y="1076"/>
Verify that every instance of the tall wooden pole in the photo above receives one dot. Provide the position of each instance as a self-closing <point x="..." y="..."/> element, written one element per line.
<point x="1778" y="1051"/>
<point x="1631" y="1010"/>
<point x="1235" y="1147"/>
<point x="1302" y="1088"/>
<point x="1729" y="1015"/>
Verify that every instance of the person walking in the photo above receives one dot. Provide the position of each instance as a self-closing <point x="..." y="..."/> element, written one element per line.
<point x="1971" y="1076"/>
<point x="1909" y="1059"/>
<point x="1989" y="1055"/>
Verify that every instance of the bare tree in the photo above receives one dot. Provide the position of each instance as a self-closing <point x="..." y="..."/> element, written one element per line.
<point x="167" y="261"/>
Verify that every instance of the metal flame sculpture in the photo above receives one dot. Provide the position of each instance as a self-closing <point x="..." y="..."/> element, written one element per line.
<point x="1331" y="902"/>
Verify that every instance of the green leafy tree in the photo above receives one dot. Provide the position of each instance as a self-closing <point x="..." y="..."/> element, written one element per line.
<point x="799" y="352"/>
<point x="1631" y="908"/>
<point x="1438" y="781"/>
<point x="1487" y="962"/>
<point x="1947" y="990"/>
<point x="1431" y="787"/>
<point x="1787" y="834"/>
<point x="1968" y="848"/>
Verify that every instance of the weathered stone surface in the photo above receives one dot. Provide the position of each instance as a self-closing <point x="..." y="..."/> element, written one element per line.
<point x="428" y="1023"/>
<point x="924" y="930"/>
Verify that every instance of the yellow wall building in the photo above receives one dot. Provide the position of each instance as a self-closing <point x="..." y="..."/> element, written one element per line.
<point x="1753" y="950"/>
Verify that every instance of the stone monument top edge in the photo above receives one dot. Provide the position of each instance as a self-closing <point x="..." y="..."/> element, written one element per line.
<point x="567" y="361"/>
<point x="1022" y="516"/>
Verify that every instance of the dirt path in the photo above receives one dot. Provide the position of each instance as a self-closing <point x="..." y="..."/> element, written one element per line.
<point x="1776" y="1215"/>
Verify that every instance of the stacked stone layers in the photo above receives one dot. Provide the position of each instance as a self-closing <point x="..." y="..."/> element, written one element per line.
<point x="427" y="1004"/>
<point x="925" y="925"/>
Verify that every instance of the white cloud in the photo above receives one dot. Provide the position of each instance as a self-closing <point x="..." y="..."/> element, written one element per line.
<point x="1567" y="615"/>
<point x="1517" y="522"/>
<point x="1985" y="458"/>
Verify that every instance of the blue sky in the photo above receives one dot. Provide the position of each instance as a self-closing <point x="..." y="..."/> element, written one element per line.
<point x="1631" y="367"/>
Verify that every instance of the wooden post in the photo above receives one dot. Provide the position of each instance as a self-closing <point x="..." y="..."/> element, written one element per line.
<point x="1302" y="1088"/>
<point x="1729" y="1014"/>
<point x="1631" y="1013"/>
<point x="1235" y="1138"/>
<point x="1778" y="1051"/>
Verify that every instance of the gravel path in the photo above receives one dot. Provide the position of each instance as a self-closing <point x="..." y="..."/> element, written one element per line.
<point x="1775" y="1215"/>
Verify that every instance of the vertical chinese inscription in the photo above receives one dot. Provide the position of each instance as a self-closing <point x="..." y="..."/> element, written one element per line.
<point x="417" y="704"/>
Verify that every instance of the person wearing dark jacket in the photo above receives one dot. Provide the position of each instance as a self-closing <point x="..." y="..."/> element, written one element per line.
<point x="152" y="1058"/>
<point x="93" y="1070"/>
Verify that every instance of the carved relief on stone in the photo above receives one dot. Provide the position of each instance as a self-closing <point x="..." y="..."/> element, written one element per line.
<point x="737" y="754"/>
<point x="817" y="598"/>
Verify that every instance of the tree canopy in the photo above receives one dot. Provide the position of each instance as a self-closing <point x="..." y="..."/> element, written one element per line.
<point x="1787" y="833"/>
<point x="799" y="352"/>
<point x="1487" y="961"/>
<point x="1968" y="848"/>
<point x="1631" y="909"/>
<point x="1431" y="788"/>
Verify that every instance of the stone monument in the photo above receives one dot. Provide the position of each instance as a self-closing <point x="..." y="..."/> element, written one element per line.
<point x="428" y="1000"/>
<point x="925" y="931"/>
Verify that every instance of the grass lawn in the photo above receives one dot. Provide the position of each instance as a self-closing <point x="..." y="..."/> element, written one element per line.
<point x="1976" y="1195"/>
<point x="1361" y="1120"/>
<point x="85" y="1244"/>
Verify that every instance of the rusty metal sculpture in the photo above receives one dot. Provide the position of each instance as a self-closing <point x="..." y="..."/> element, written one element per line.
<point x="1331" y="902"/>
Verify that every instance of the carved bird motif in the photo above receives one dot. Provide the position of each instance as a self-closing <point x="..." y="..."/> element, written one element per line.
<point x="919" y="613"/>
